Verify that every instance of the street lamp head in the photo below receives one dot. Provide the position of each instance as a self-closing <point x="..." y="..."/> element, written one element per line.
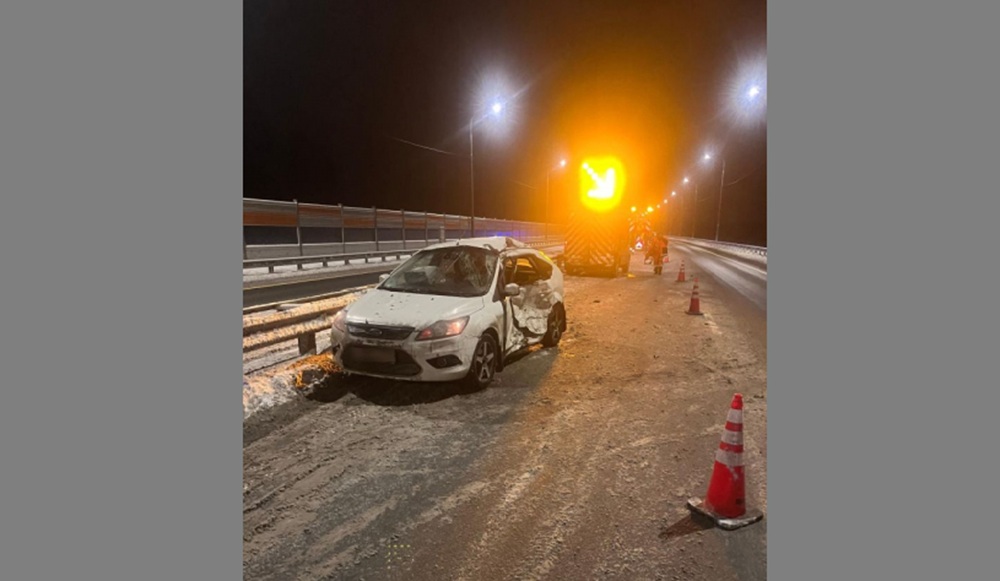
<point x="753" y="92"/>
<point x="497" y="108"/>
<point x="686" y="180"/>
<point x="708" y="156"/>
<point x="649" y="209"/>
<point x="562" y="163"/>
<point x="633" y="208"/>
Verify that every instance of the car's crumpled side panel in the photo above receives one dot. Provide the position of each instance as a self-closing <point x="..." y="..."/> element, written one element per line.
<point x="532" y="307"/>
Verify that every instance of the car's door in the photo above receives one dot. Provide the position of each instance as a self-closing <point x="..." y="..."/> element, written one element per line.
<point x="531" y="308"/>
<point x="513" y="339"/>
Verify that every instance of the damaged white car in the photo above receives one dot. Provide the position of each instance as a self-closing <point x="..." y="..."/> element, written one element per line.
<point x="453" y="311"/>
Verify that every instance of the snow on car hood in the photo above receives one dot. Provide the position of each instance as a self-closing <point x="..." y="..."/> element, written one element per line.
<point x="381" y="307"/>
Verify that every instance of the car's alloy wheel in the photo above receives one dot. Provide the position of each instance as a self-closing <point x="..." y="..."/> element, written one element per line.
<point x="554" y="333"/>
<point x="484" y="362"/>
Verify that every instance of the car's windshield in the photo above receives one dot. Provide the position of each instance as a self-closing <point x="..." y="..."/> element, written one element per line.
<point x="461" y="271"/>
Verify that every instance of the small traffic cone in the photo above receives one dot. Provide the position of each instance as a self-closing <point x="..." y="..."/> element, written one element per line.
<point x="695" y="308"/>
<point x="680" y="273"/>
<point x="725" y="502"/>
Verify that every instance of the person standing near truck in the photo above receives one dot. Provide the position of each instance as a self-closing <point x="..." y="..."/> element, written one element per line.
<point x="656" y="248"/>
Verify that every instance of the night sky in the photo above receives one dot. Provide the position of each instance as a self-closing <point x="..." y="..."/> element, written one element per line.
<point x="331" y="87"/>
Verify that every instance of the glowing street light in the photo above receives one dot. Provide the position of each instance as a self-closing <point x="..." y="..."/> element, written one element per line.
<point x="562" y="164"/>
<point x="707" y="157"/>
<point x="496" y="109"/>
<point x="633" y="208"/>
<point x="673" y="193"/>
<point x="649" y="209"/>
<point x="753" y="92"/>
<point x="690" y="203"/>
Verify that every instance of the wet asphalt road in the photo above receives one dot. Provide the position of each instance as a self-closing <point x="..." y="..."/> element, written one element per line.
<point x="575" y="464"/>
<point x="748" y="280"/>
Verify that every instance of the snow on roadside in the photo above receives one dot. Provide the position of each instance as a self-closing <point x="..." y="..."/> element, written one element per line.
<point x="280" y="385"/>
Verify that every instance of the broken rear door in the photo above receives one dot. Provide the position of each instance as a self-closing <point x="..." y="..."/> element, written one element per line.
<point x="531" y="308"/>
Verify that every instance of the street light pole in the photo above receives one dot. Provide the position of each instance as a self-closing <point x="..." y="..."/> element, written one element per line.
<point x="548" y="174"/>
<point x="722" y="184"/>
<point x="472" y="182"/>
<point x="694" y="210"/>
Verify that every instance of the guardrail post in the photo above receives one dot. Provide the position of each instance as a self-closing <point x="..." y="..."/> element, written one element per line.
<point x="402" y="214"/>
<point x="441" y="234"/>
<point x="298" y="230"/>
<point x="375" y="216"/>
<point x="343" y="229"/>
<point x="427" y="236"/>
<point x="307" y="344"/>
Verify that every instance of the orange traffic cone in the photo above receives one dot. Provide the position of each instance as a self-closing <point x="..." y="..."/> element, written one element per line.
<point x="695" y="308"/>
<point x="680" y="273"/>
<point x="725" y="502"/>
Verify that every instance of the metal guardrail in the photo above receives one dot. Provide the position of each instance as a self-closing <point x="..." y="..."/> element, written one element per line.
<point x="324" y="229"/>
<point x="268" y="330"/>
<point x="326" y="259"/>
<point x="746" y="248"/>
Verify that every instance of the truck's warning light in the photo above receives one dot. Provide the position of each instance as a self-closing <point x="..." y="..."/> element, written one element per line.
<point x="602" y="181"/>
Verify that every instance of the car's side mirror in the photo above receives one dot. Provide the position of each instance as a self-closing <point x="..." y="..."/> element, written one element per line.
<point x="382" y="277"/>
<point x="511" y="290"/>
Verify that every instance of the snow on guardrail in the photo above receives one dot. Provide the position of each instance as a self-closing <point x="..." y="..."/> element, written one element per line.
<point x="756" y="254"/>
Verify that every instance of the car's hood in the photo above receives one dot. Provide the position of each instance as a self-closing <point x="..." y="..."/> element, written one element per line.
<point x="380" y="307"/>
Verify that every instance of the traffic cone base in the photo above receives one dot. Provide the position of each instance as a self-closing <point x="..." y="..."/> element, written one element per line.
<point x="751" y="516"/>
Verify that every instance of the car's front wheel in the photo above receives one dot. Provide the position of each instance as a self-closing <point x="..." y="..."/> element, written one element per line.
<point x="484" y="363"/>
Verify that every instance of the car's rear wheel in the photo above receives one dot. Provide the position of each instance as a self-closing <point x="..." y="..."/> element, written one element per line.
<point x="557" y="323"/>
<point x="484" y="363"/>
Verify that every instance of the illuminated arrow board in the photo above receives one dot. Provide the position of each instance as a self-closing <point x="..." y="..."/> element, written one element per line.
<point x="602" y="181"/>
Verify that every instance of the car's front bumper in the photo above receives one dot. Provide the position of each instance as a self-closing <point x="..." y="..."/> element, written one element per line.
<point x="410" y="360"/>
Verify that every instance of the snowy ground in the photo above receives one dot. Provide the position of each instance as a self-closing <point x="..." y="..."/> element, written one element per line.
<point x="575" y="464"/>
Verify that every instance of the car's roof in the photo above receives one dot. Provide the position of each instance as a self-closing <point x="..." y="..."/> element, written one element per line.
<point x="498" y="243"/>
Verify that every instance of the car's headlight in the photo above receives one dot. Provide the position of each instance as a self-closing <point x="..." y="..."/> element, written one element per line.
<point x="443" y="329"/>
<point x="340" y="321"/>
